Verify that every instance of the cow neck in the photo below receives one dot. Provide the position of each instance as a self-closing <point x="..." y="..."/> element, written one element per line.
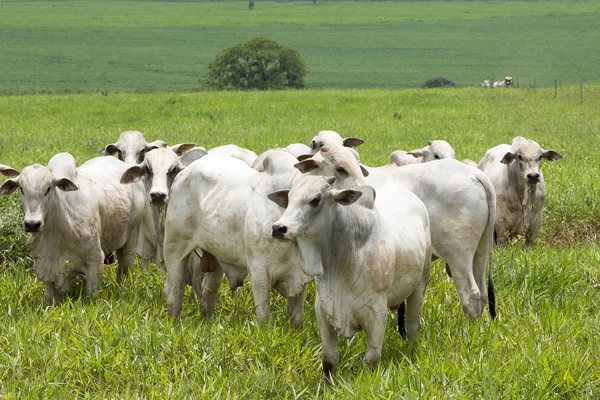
<point x="516" y="182"/>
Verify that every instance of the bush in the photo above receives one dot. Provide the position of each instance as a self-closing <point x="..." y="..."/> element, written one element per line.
<point x="258" y="64"/>
<point x="438" y="82"/>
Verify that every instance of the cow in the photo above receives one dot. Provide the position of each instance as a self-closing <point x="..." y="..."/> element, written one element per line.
<point x="499" y="84"/>
<point x="461" y="203"/>
<point x="218" y="204"/>
<point x="508" y="81"/>
<point x="131" y="147"/>
<point x="485" y="84"/>
<point x="520" y="190"/>
<point x="297" y="149"/>
<point x="367" y="254"/>
<point x="75" y="217"/>
<point x="324" y="137"/>
<point x="231" y="150"/>
<point x="435" y="150"/>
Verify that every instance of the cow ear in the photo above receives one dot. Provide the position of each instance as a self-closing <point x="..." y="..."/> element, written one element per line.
<point x="429" y="142"/>
<point x="66" y="185"/>
<point x="418" y="153"/>
<point x="347" y="196"/>
<point x="307" y="165"/>
<point x="303" y="157"/>
<point x="134" y="173"/>
<point x="551" y="155"/>
<point x="9" y="186"/>
<point x="109" y="150"/>
<point x="508" y="158"/>
<point x="280" y="197"/>
<point x="364" y="170"/>
<point x="8" y="171"/>
<point x="352" y="142"/>
<point x="181" y="148"/>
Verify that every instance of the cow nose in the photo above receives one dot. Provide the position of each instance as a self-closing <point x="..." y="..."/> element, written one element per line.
<point x="533" y="177"/>
<point x="32" y="226"/>
<point x="158" y="197"/>
<point x="279" y="231"/>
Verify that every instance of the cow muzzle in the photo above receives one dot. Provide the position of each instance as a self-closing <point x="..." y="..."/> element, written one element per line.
<point x="279" y="232"/>
<point x="32" y="226"/>
<point x="158" y="198"/>
<point x="533" y="178"/>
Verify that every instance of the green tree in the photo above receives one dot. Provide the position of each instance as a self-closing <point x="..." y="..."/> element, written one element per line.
<point x="258" y="64"/>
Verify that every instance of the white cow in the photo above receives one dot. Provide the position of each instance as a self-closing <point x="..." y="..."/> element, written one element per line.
<point x="131" y="147"/>
<point x="324" y="137"/>
<point x="520" y="190"/>
<point x="218" y="204"/>
<point x="486" y="84"/>
<point x="367" y="253"/>
<point x="435" y="150"/>
<point x="498" y="84"/>
<point x="75" y="217"/>
<point x="231" y="150"/>
<point x="461" y="204"/>
<point x="297" y="149"/>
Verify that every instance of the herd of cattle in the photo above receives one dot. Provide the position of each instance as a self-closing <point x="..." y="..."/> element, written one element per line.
<point x="506" y="82"/>
<point x="365" y="235"/>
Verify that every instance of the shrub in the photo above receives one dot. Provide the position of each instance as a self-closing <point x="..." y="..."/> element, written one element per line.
<point x="258" y="64"/>
<point x="438" y="82"/>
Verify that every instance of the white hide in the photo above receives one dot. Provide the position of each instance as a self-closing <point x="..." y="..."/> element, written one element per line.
<point x="367" y="253"/>
<point x="231" y="150"/>
<point x="435" y="150"/>
<point x="76" y="217"/>
<point x="324" y="137"/>
<point x="519" y="184"/>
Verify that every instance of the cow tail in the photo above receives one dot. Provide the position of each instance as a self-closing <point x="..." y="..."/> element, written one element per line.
<point x="491" y="200"/>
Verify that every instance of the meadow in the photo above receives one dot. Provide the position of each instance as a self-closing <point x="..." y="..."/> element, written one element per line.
<point x="544" y="343"/>
<point x="147" y="46"/>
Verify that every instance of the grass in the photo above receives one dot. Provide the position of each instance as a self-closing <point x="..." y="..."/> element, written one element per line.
<point x="166" y="46"/>
<point x="544" y="343"/>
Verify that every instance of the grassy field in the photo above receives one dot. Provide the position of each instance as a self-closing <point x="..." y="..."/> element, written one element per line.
<point x="166" y="46"/>
<point x="544" y="343"/>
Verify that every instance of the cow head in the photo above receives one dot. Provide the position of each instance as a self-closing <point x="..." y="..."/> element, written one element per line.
<point x="37" y="184"/>
<point x="131" y="147"/>
<point x="337" y="161"/>
<point x="159" y="169"/>
<point x="436" y="150"/>
<point x="326" y="137"/>
<point x="526" y="156"/>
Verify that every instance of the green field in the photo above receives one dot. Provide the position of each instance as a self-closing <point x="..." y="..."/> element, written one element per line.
<point x="544" y="343"/>
<point x="166" y="46"/>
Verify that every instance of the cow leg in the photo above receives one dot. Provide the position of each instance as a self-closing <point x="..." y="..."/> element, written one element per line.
<point x="480" y="262"/>
<point x="414" y="303"/>
<point x="375" y="329"/>
<point x="461" y="266"/>
<point x="295" y="307"/>
<point x="500" y="231"/>
<point x="175" y="284"/>
<point x="53" y="296"/>
<point x="125" y="259"/>
<point x="93" y="278"/>
<point x="331" y="351"/>
<point x="197" y="276"/>
<point x="144" y="263"/>
<point x="210" y="290"/>
<point x="261" y="292"/>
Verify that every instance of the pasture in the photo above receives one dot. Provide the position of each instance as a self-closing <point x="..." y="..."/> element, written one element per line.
<point x="544" y="343"/>
<point x="150" y="46"/>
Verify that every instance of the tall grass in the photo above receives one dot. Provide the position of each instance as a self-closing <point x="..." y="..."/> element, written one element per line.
<point x="544" y="343"/>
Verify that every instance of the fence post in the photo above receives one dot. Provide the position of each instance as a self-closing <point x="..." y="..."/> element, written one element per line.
<point x="555" y="88"/>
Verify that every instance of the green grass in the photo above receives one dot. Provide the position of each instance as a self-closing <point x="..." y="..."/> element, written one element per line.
<point x="166" y="46"/>
<point x="544" y="344"/>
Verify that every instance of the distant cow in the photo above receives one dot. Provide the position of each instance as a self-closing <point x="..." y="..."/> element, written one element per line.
<point x="435" y="150"/>
<point x="520" y="191"/>
<point x="486" y="84"/>
<point x="367" y="253"/>
<point x="324" y="137"/>
<point x="508" y="81"/>
<point x="498" y="84"/>
<point x="75" y="217"/>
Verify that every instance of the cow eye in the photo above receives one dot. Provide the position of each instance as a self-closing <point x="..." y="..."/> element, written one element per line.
<point x="341" y="171"/>
<point x="315" y="202"/>
<point x="48" y="191"/>
<point x="22" y="192"/>
<point x="436" y="156"/>
<point x="519" y="157"/>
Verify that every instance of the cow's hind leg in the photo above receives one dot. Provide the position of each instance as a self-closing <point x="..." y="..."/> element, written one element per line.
<point x="125" y="259"/>
<point x="461" y="266"/>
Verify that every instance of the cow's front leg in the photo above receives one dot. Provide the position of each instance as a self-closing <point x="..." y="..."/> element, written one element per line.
<point x="331" y="352"/>
<point x="375" y="329"/>
<point x="53" y="296"/>
<point x="93" y="276"/>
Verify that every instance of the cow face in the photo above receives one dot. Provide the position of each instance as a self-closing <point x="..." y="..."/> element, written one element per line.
<point x="527" y="159"/>
<point x="436" y="150"/>
<point x="131" y="147"/>
<point x="308" y="207"/>
<point x="159" y="169"/>
<point x="37" y="187"/>
<point x="327" y="137"/>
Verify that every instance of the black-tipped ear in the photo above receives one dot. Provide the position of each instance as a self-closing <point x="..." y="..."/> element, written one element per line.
<point x="109" y="150"/>
<point x="352" y="142"/>
<point x="307" y="165"/>
<point x="429" y="142"/>
<point x="364" y="170"/>
<point x="347" y="197"/>
<point x="303" y="157"/>
<point x="551" y="155"/>
<point x="134" y="173"/>
<point x="66" y="185"/>
<point x="280" y="198"/>
<point x="8" y="171"/>
<point x="330" y="180"/>
<point x="8" y="187"/>
<point x="508" y="158"/>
